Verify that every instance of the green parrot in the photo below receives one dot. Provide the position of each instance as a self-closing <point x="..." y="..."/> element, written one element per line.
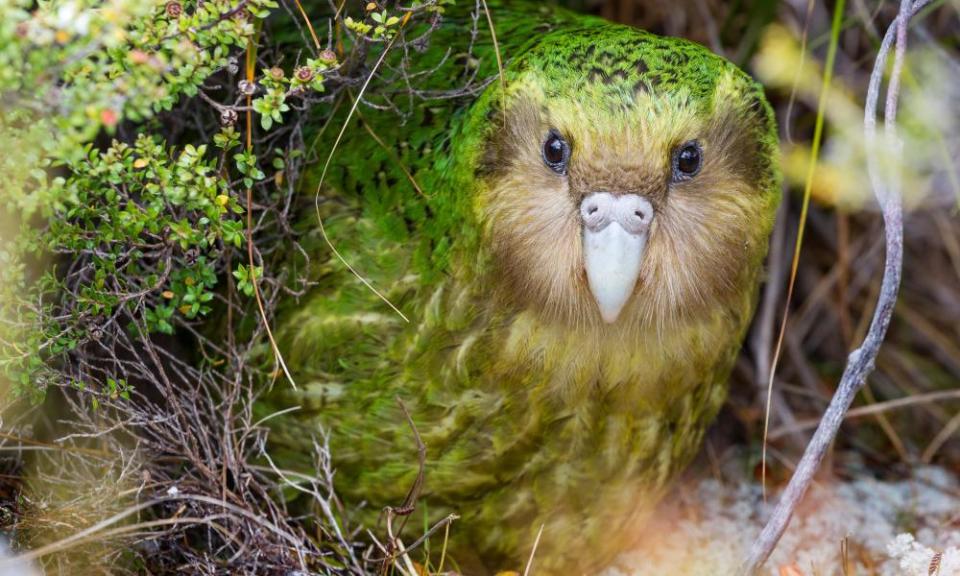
<point x="573" y="251"/>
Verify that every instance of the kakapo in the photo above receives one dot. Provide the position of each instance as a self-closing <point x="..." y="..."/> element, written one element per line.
<point x="576" y="250"/>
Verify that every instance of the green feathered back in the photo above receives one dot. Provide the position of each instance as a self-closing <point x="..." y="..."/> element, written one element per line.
<point x="419" y="135"/>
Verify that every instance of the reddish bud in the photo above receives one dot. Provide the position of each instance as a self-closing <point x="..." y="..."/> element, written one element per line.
<point x="174" y="9"/>
<point x="304" y="74"/>
<point x="109" y="117"/>
<point x="139" y="57"/>
<point x="328" y="57"/>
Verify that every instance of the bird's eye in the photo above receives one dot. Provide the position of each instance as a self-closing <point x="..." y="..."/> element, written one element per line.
<point x="687" y="161"/>
<point x="556" y="152"/>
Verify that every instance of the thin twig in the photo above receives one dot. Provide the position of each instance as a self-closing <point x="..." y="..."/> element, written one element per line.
<point x="804" y="210"/>
<point x="323" y="174"/>
<point x="861" y="361"/>
<point x="496" y="52"/>
<point x="254" y="281"/>
<point x="527" y="570"/>
<point x="872" y="409"/>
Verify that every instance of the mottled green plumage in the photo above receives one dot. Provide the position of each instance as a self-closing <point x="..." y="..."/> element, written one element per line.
<point x="534" y="411"/>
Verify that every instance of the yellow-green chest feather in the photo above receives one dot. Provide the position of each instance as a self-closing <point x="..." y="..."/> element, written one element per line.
<point x="525" y="424"/>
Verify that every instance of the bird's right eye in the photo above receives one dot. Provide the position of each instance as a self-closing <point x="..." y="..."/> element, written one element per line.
<point x="556" y="152"/>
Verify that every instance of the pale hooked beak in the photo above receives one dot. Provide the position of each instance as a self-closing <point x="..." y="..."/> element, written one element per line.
<point x="615" y="230"/>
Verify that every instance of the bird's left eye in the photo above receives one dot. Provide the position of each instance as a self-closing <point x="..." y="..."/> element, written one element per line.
<point x="687" y="160"/>
<point x="556" y="152"/>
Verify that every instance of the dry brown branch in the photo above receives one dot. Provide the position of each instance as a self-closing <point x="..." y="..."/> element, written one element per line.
<point x="870" y="410"/>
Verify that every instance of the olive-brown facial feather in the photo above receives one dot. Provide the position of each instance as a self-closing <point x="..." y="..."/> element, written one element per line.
<point x="531" y="208"/>
<point x="709" y="229"/>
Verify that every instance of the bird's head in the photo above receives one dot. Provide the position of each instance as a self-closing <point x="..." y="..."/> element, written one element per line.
<point x="625" y="178"/>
